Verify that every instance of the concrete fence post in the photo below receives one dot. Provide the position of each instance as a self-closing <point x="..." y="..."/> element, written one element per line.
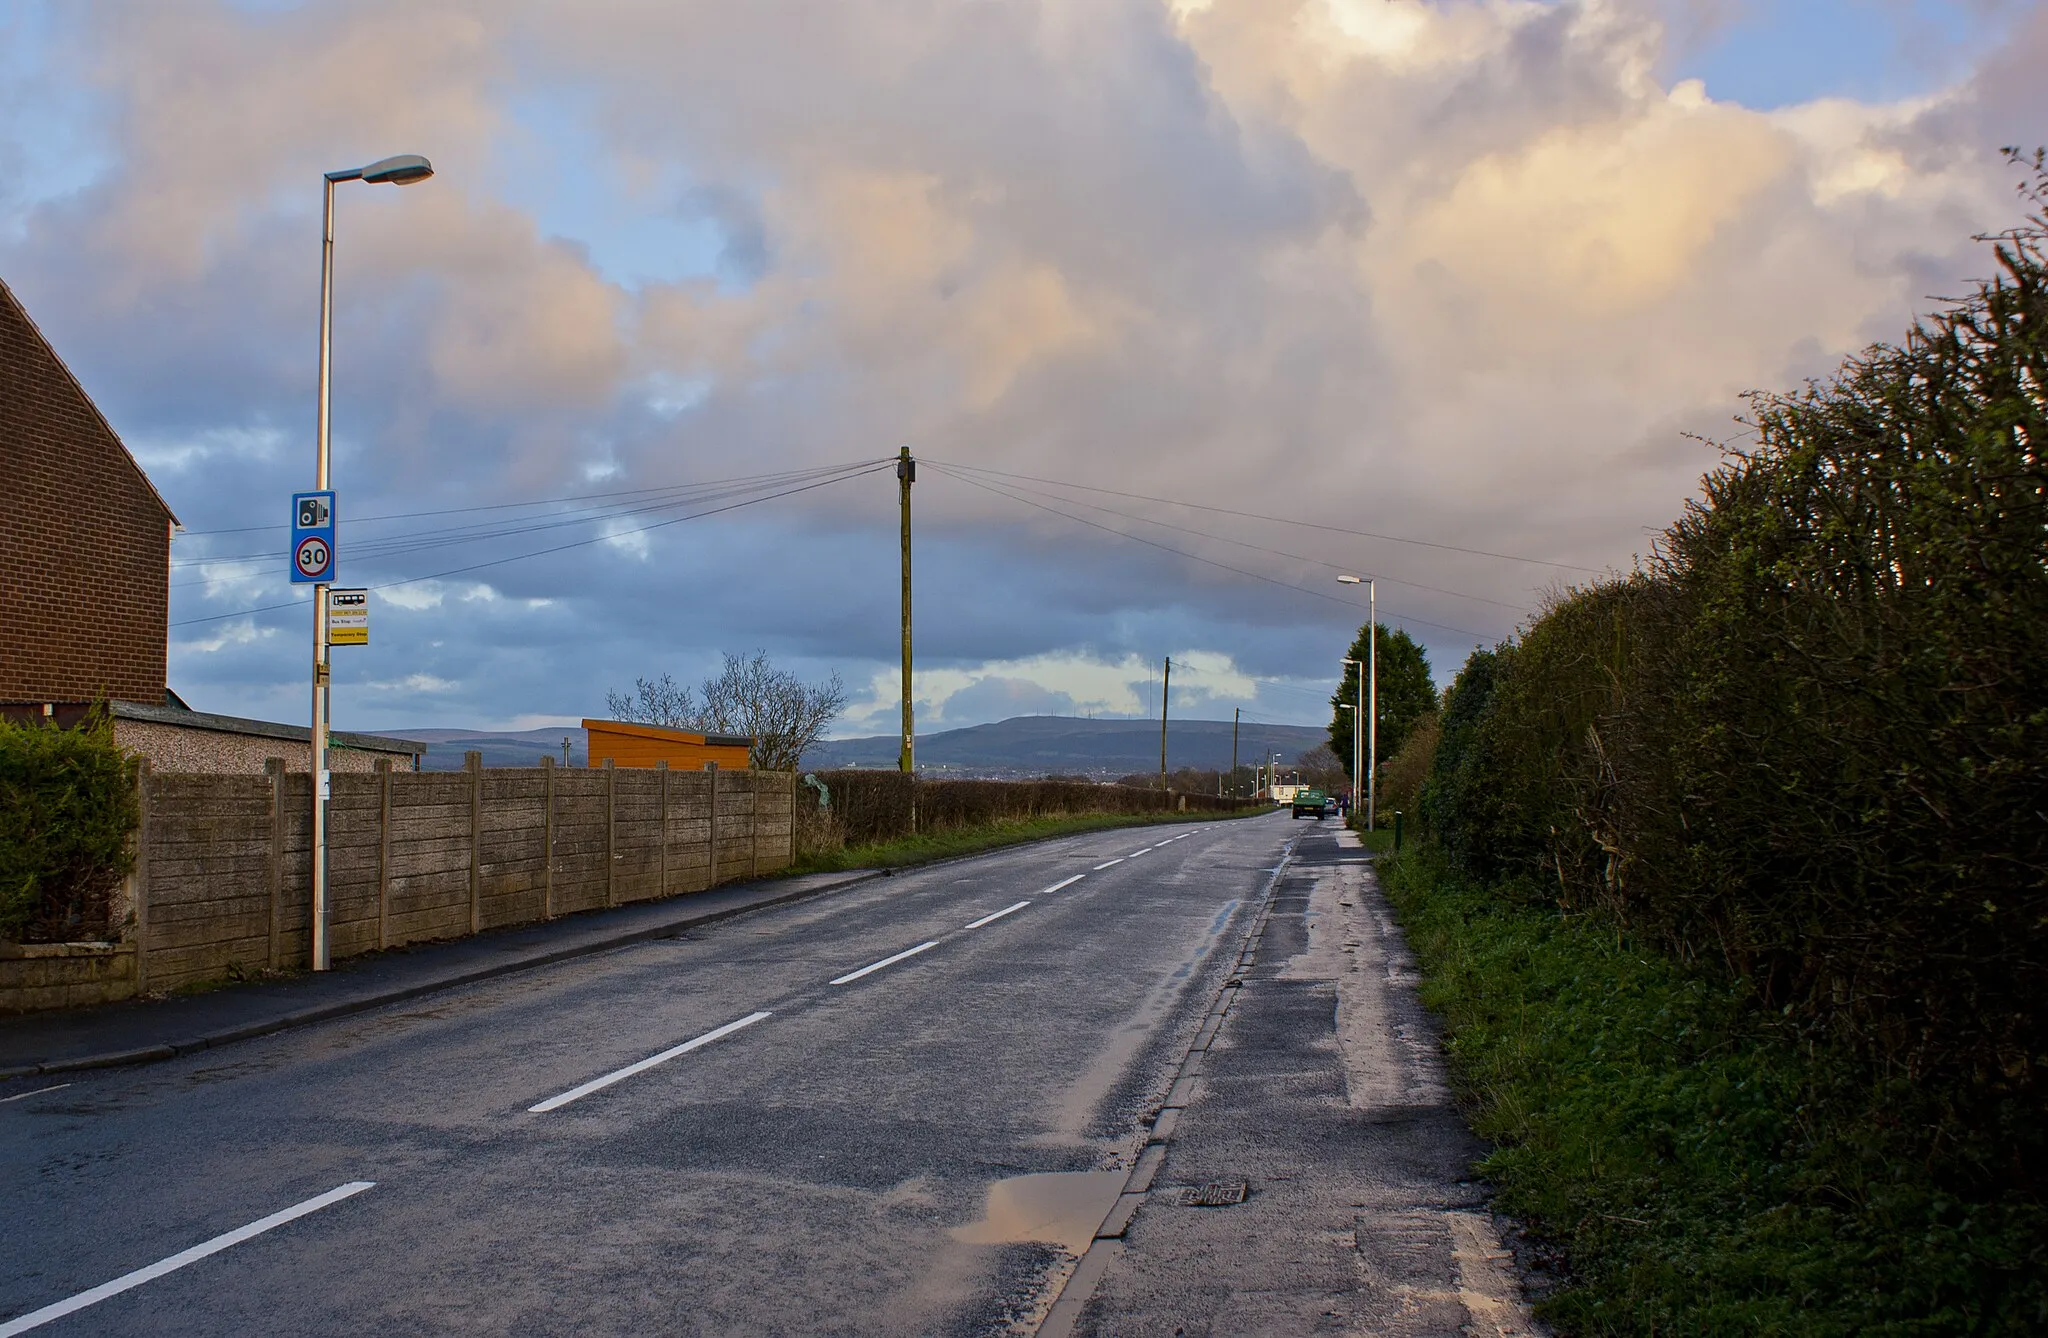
<point x="273" y="767"/>
<point x="611" y="833"/>
<point x="383" y="852"/>
<point x="661" y="768"/>
<point x="140" y="885"/>
<point x="473" y="762"/>
<point x="754" y="824"/>
<point x="711" y="879"/>
<point x="547" y="837"/>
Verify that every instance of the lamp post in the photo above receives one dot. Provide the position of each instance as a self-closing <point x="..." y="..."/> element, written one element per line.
<point x="1372" y="721"/>
<point x="403" y="170"/>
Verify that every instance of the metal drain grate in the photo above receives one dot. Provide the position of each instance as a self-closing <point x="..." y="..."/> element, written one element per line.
<point x="1214" y="1195"/>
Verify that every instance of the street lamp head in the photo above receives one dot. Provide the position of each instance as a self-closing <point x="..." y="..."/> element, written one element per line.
<point x="1351" y="580"/>
<point x="402" y="170"/>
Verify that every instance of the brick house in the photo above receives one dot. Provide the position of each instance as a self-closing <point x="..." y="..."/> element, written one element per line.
<point x="85" y="565"/>
<point x="85" y="539"/>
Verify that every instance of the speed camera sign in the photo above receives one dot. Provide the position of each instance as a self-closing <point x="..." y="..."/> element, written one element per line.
<point x="312" y="538"/>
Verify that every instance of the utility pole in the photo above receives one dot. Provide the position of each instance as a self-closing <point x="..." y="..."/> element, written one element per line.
<point x="906" y="474"/>
<point x="1235" y="712"/>
<point x="1372" y="723"/>
<point x="1165" y="683"/>
<point x="1358" y="729"/>
<point x="1372" y="671"/>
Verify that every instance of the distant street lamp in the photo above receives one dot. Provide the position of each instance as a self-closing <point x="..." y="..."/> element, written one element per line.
<point x="403" y="170"/>
<point x="1372" y="723"/>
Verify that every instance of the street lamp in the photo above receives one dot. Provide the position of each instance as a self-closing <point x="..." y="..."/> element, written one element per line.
<point x="1372" y="723"/>
<point x="402" y="170"/>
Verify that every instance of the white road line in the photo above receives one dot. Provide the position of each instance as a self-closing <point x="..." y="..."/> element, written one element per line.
<point x="23" y="1096"/>
<point x="1064" y="882"/>
<point x="872" y="967"/>
<point x="991" y="919"/>
<point x="35" y="1319"/>
<point x="1100" y="867"/>
<point x="1135" y="853"/>
<point x="619" y="1075"/>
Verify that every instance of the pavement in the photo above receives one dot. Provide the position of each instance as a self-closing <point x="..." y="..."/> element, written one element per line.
<point x="966" y="1099"/>
<point x="140" y="1031"/>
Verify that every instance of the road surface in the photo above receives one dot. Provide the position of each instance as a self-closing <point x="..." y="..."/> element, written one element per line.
<point x="904" y="1108"/>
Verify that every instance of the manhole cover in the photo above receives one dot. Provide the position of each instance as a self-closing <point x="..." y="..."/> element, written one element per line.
<point x="1214" y="1196"/>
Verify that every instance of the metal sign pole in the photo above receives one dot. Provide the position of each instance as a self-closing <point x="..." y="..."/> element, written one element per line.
<point x="321" y="675"/>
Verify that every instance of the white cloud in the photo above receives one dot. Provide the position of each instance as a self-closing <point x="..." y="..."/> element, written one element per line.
<point x="1463" y="270"/>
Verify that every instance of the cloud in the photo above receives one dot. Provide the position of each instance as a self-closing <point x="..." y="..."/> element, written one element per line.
<point x="1464" y="271"/>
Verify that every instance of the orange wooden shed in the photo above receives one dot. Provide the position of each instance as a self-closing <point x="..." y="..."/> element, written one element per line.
<point x="628" y="745"/>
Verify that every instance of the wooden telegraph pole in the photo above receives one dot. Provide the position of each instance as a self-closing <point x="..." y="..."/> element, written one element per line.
<point x="906" y="474"/>
<point x="1235" y="712"/>
<point x="1165" y="686"/>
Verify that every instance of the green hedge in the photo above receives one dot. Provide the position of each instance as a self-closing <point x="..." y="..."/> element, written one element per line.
<point x="1704" y="1167"/>
<point x="67" y="810"/>
<point x="1802" y="758"/>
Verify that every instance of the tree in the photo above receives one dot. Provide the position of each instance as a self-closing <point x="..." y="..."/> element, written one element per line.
<point x="783" y="715"/>
<point x="657" y="701"/>
<point x="1407" y="693"/>
<point x="1320" y="769"/>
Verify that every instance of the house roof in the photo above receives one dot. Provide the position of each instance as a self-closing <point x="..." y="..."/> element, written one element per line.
<point x="12" y="312"/>
<point x="233" y="724"/>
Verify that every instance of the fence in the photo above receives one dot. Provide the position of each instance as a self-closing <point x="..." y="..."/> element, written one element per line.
<point x="224" y="862"/>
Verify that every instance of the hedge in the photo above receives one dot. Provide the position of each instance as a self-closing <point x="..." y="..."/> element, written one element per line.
<point x="67" y="810"/>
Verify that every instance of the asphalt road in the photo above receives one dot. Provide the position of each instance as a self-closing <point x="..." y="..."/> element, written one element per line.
<point x="916" y="1100"/>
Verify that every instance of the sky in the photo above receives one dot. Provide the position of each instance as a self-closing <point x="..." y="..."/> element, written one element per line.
<point x="1186" y="307"/>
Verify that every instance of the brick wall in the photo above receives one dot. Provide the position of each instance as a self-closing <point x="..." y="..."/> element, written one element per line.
<point x="84" y="539"/>
<point x="223" y="879"/>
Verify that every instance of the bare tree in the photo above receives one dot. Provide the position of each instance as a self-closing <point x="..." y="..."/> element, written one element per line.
<point x="658" y="701"/>
<point x="750" y="696"/>
<point x="1320" y="768"/>
<point x="784" y="715"/>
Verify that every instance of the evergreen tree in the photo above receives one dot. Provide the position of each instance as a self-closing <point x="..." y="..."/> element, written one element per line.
<point x="1407" y="693"/>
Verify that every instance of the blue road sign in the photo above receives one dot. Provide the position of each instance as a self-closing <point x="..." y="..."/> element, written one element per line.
<point x="312" y="538"/>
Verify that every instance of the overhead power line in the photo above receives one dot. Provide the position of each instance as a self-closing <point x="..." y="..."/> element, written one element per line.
<point x="559" y="548"/>
<point x="1181" y="552"/>
<point x="676" y="495"/>
<point x="545" y="501"/>
<point x="1277" y="520"/>
<point x="1261" y="548"/>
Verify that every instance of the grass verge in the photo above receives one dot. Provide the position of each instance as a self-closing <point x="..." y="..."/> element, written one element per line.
<point x="1703" y="1168"/>
<point x="909" y="850"/>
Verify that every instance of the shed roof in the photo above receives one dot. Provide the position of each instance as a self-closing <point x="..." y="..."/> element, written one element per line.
<point x="674" y="735"/>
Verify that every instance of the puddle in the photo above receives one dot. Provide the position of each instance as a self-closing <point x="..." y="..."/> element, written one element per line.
<point x="1060" y="1208"/>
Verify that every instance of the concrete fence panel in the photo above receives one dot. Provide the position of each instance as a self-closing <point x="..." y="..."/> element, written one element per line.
<point x="224" y="876"/>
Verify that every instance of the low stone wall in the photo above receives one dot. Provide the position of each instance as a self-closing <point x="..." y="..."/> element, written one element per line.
<point x="64" y="975"/>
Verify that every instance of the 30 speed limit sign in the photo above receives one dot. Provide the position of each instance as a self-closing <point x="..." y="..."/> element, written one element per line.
<point x="312" y="559"/>
<point x="312" y="538"/>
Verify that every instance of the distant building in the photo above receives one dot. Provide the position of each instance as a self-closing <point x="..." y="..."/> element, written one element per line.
<point x="85" y="563"/>
<point x="624" y="744"/>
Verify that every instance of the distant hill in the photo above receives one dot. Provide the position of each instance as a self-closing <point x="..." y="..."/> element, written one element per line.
<point x="1038" y="745"/>
<point x="1031" y="745"/>
<point x="501" y="748"/>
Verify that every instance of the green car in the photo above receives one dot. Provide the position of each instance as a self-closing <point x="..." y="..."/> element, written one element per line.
<point x="1310" y="802"/>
